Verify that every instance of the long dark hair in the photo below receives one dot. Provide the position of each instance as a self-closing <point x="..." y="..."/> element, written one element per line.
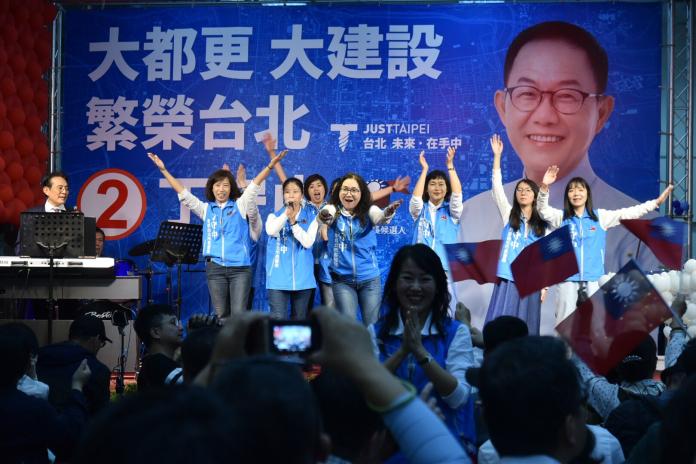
<point x="426" y="259"/>
<point x="217" y="176"/>
<point x="436" y="174"/>
<point x="536" y="223"/>
<point x="568" y="211"/>
<point x="363" y="207"/>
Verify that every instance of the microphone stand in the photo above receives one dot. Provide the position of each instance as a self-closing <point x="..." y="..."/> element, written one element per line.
<point x="52" y="250"/>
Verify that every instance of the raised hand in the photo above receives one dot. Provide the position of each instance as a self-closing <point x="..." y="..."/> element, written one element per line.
<point x="550" y="175"/>
<point x="158" y="162"/>
<point x="242" y="181"/>
<point x="392" y="207"/>
<point x="412" y="333"/>
<point x="401" y="184"/>
<point x="225" y="167"/>
<point x="665" y="193"/>
<point x="450" y="157"/>
<point x="81" y="375"/>
<point x="497" y="145"/>
<point x="269" y="143"/>
<point x="423" y="162"/>
<point x="276" y="158"/>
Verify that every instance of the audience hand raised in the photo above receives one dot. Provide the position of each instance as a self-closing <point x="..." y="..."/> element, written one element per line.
<point x="81" y="375"/>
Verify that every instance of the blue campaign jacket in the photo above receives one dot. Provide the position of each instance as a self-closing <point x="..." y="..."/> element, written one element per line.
<point x="226" y="235"/>
<point x="513" y="244"/>
<point x="352" y="247"/>
<point x="436" y="235"/>
<point x="589" y="241"/>
<point x="289" y="265"/>
<point x="460" y="421"/>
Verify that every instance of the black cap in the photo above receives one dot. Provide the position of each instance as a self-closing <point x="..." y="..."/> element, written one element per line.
<point x="88" y="326"/>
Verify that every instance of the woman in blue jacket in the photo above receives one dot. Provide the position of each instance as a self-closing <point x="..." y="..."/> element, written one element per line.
<point x="230" y="223"/>
<point x="291" y="232"/>
<point x="588" y="231"/>
<point x="420" y="343"/>
<point x="352" y="241"/>
<point x="523" y="226"/>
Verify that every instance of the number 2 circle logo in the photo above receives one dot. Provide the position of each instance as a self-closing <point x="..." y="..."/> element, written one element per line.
<point x="116" y="199"/>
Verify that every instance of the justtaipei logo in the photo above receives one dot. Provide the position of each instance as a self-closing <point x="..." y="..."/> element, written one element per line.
<point x="344" y="131"/>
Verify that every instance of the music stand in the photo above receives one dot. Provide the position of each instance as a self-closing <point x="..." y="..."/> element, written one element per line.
<point x="178" y="243"/>
<point x="52" y="235"/>
<point x="63" y="233"/>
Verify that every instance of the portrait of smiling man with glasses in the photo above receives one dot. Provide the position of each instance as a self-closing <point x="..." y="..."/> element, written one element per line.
<point x="553" y="103"/>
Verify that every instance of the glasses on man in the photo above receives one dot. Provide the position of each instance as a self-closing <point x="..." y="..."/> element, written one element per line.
<point x="61" y="188"/>
<point x="566" y="101"/>
<point x="352" y="191"/>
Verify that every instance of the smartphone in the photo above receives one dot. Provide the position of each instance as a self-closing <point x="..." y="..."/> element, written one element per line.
<point x="293" y="337"/>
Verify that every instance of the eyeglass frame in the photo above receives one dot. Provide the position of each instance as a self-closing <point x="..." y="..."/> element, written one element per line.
<point x="585" y="96"/>
<point x="351" y="190"/>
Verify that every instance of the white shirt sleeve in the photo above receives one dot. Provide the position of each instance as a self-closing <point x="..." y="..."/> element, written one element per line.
<point x="460" y="357"/>
<point x="274" y="224"/>
<point x="377" y="215"/>
<point x="415" y="206"/>
<point x="499" y="196"/>
<point x="612" y="218"/>
<point x="189" y="200"/>
<point x="306" y="237"/>
<point x="456" y="206"/>
<point x="247" y="202"/>
<point x="255" y="222"/>
<point x="553" y="216"/>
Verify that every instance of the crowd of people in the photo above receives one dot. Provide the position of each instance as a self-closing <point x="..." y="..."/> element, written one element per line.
<point x="415" y="386"/>
<point x="412" y="381"/>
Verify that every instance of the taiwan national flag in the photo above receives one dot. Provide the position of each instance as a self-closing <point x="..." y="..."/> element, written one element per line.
<point x="547" y="261"/>
<point x="664" y="236"/>
<point x="615" y="319"/>
<point x="477" y="261"/>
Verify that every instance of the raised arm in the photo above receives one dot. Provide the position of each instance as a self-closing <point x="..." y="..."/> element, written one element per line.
<point x="421" y="436"/>
<point x="419" y="188"/>
<point x="453" y="177"/>
<point x="415" y="206"/>
<point x="497" y="190"/>
<point x="176" y="185"/>
<point x="269" y="143"/>
<point x="265" y="172"/>
<point x="456" y="205"/>
<point x="399" y="185"/>
<point x="553" y="216"/>
<point x="612" y="218"/>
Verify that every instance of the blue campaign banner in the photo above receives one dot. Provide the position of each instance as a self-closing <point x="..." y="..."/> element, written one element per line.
<point x="344" y="88"/>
